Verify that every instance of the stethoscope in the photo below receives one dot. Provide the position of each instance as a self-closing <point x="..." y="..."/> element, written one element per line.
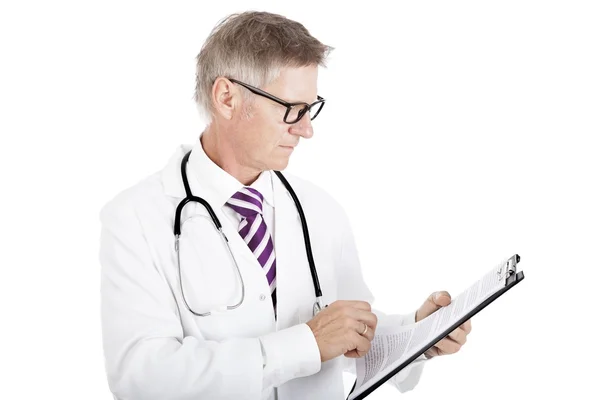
<point x="318" y="306"/>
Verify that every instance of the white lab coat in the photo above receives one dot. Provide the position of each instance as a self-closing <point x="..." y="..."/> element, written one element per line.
<point x="156" y="349"/>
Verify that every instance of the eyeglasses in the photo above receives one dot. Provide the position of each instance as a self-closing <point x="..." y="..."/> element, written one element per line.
<point x="295" y="111"/>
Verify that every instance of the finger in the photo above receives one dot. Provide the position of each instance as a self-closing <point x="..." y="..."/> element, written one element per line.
<point x="362" y="344"/>
<point x="432" y="304"/>
<point x="459" y="336"/>
<point x="352" y="354"/>
<point x="447" y="346"/>
<point x="440" y="299"/>
<point x="358" y="304"/>
<point x="362" y="316"/>
<point x="359" y="327"/>
<point x="466" y="327"/>
<point x="432" y="352"/>
<point x="369" y="333"/>
<point x="362" y="347"/>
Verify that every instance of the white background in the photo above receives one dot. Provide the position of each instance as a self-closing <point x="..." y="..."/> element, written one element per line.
<point x="455" y="134"/>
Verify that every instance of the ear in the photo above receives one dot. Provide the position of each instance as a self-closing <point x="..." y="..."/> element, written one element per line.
<point x="225" y="97"/>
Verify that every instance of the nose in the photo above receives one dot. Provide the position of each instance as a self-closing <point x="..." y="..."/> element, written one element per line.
<point x="303" y="127"/>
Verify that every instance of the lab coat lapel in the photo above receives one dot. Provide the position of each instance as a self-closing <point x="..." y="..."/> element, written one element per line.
<point x="295" y="290"/>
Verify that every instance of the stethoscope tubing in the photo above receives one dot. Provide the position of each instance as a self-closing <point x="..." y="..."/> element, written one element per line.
<point x="191" y="198"/>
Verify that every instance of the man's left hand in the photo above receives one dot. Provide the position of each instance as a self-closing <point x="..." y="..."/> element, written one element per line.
<point x="456" y="339"/>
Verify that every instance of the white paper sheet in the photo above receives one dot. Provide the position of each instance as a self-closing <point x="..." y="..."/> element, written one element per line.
<point x="393" y="345"/>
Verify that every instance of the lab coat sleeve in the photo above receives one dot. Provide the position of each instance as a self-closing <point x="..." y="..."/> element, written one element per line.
<point x="351" y="286"/>
<point x="146" y="354"/>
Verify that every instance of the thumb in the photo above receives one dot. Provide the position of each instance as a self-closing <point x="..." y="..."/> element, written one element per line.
<point x="433" y="303"/>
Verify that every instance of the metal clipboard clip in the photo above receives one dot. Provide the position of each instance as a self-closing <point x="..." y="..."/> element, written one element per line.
<point x="508" y="268"/>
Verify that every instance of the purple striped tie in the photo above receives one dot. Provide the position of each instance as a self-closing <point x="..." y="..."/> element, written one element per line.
<point x="253" y="229"/>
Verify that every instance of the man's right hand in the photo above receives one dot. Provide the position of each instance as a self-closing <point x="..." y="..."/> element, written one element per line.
<point x="338" y="329"/>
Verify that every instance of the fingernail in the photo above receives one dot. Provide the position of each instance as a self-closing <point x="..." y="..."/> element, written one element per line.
<point x="437" y="295"/>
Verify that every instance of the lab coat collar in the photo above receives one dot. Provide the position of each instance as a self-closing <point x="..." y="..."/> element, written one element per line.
<point x="215" y="185"/>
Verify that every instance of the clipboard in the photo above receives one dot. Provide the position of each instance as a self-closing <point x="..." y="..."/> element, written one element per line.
<point x="506" y="270"/>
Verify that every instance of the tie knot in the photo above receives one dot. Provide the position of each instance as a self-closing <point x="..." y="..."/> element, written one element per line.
<point x="247" y="202"/>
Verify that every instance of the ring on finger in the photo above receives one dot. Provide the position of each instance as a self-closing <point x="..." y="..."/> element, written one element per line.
<point x="365" y="331"/>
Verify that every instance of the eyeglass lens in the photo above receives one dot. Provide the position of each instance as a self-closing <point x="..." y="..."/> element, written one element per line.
<point x="298" y="111"/>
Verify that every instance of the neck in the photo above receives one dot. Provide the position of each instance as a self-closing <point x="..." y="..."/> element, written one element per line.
<point x="220" y="151"/>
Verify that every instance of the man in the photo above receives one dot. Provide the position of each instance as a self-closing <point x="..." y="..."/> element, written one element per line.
<point x="204" y="318"/>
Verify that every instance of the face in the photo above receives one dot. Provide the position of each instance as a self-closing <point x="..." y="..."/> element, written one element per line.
<point x="262" y="140"/>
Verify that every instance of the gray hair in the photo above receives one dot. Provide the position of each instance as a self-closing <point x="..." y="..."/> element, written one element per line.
<point x="253" y="47"/>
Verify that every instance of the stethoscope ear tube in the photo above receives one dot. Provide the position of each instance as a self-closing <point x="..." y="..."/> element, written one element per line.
<point x="188" y="198"/>
<point x="177" y="225"/>
<point x="309" y="255"/>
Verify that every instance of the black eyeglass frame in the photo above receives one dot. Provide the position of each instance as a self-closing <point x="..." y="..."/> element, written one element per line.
<point x="307" y="107"/>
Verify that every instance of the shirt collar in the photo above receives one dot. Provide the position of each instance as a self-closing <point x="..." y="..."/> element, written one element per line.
<point x="218" y="185"/>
